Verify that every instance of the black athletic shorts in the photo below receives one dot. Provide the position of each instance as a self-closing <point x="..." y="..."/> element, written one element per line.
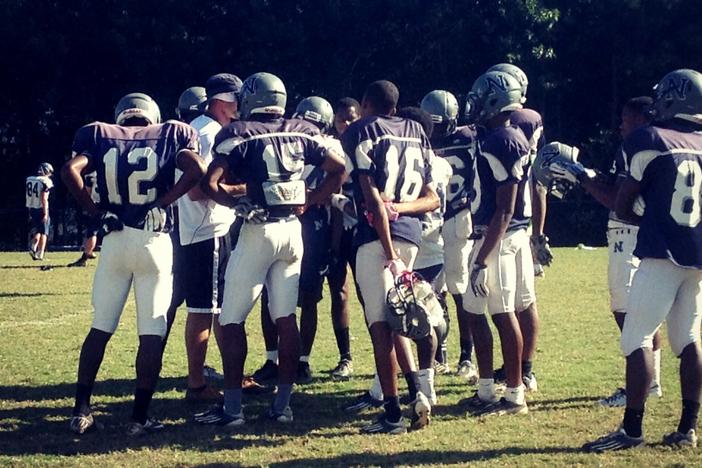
<point x="204" y="264"/>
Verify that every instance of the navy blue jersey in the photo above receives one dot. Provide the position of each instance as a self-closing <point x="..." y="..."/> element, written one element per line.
<point x="667" y="162"/>
<point x="134" y="166"/>
<point x="395" y="152"/>
<point x="458" y="149"/>
<point x="503" y="157"/>
<point x="530" y="123"/>
<point x="270" y="156"/>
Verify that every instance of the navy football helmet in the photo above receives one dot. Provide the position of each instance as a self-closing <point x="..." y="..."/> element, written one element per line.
<point x="443" y="108"/>
<point x="516" y="72"/>
<point x="262" y="93"/>
<point x="316" y="110"/>
<point x="678" y="95"/>
<point x="191" y="103"/>
<point x="554" y="153"/>
<point x="493" y="93"/>
<point x="138" y="105"/>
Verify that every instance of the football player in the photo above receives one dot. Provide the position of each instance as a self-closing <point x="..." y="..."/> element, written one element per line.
<point x="457" y="146"/>
<point x="530" y="123"/>
<point x="269" y="154"/>
<point x="204" y="237"/>
<point x="665" y="169"/>
<point x="500" y="241"/>
<point x="37" y="188"/>
<point x="621" y="234"/>
<point x="135" y="161"/>
<point x="91" y="226"/>
<point x="391" y="161"/>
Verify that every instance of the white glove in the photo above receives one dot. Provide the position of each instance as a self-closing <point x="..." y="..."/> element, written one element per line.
<point x="250" y="212"/>
<point x="397" y="267"/>
<point x="478" y="280"/>
<point x="155" y="219"/>
<point x="541" y="250"/>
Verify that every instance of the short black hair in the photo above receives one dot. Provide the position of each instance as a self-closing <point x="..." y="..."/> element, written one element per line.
<point x="346" y="103"/>
<point x="382" y="95"/>
<point x="418" y="115"/>
<point x="639" y="105"/>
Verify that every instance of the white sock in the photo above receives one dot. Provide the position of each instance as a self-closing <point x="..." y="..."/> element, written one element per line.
<point x="656" y="368"/>
<point x="305" y="358"/>
<point x="376" y="391"/>
<point x="272" y="356"/>
<point x="515" y="395"/>
<point x="486" y="389"/>
<point x="426" y="384"/>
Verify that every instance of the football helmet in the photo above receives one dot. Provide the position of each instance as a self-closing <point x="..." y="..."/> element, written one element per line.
<point x="262" y="93"/>
<point x="678" y="95"/>
<point x="554" y="153"/>
<point x="412" y="307"/>
<point x="316" y="110"/>
<point x="191" y="103"/>
<point x="45" y="169"/>
<point x="137" y="105"/>
<point x="492" y="93"/>
<point x="443" y="108"/>
<point x="516" y="72"/>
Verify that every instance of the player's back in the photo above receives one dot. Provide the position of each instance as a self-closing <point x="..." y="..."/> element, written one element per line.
<point x="134" y="165"/>
<point x="458" y="149"/>
<point x="531" y="124"/>
<point x="35" y="186"/>
<point x="667" y="161"/>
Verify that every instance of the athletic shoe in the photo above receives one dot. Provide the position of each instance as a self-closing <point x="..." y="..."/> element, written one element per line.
<point x="135" y="429"/>
<point x="81" y="262"/>
<point x="530" y="383"/>
<point x="617" y="440"/>
<point x="267" y="373"/>
<point x="304" y="373"/>
<point x="679" y="440"/>
<point x="421" y="412"/>
<point x="216" y="416"/>
<point x="383" y="426"/>
<point x="656" y="390"/>
<point x="33" y="254"/>
<point x="503" y="407"/>
<point x="286" y="417"/>
<point x="476" y="404"/>
<point x="343" y="370"/>
<point x="210" y="373"/>
<point x="205" y="395"/>
<point x="467" y="370"/>
<point x="441" y="368"/>
<point x="363" y="402"/>
<point x="615" y="400"/>
<point x="82" y="424"/>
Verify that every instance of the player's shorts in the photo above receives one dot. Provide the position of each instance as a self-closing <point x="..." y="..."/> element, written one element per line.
<point x="315" y="261"/>
<point x="374" y="280"/>
<point x="205" y="263"/>
<point x="340" y="262"/>
<point x="147" y="259"/>
<point x="662" y="290"/>
<point x="431" y="273"/>
<point x="622" y="264"/>
<point x="36" y="224"/>
<point x="510" y="272"/>
<point x="267" y="254"/>
<point x="179" y="272"/>
<point x="457" y="246"/>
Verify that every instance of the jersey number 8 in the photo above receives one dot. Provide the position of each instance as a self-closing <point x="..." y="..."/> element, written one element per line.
<point x="685" y="207"/>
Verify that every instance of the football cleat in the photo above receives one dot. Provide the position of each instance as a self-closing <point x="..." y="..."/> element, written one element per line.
<point x="210" y="373"/>
<point x="218" y="417"/>
<point x="304" y="373"/>
<point x="530" y="383"/>
<point x="467" y="370"/>
<point x="442" y="368"/>
<point x="383" y="426"/>
<point x="343" y="370"/>
<point x="363" y="402"/>
<point x="615" y="400"/>
<point x="82" y="424"/>
<point x="679" y="440"/>
<point x="421" y="412"/>
<point x="135" y="429"/>
<point x="267" y="373"/>
<point x="617" y="440"/>
<point x="502" y="407"/>
<point x="476" y="404"/>
<point x="286" y="417"/>
<point x="81" y="262"/>
<point x="205" y="395"/>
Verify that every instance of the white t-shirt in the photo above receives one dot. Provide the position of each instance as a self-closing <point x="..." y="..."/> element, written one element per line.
<point x="431" y="252"/>
<point x="204" y="219"/>
<point x="35" y="188"/>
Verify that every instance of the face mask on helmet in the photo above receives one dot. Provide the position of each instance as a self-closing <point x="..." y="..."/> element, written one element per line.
<point x="549" y="154"/>
<point x="412" y="307"/>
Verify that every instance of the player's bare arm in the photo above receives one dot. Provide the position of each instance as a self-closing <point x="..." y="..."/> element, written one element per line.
<point x="214" y="183"/>
<point x="193" y="169"/>
<point x="72" y="175"/>
<point x="333" y="165"/>
<point x="624" y="206"/>
<point x="376" y="207"/>
<point x="505" y="202"/>
<point x="602" y="189"/>
<point x="45" y="205"/>
<point x="428" y="201"/>
<point x="538" y="207"/>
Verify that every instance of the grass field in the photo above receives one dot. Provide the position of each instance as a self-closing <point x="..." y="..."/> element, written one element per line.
<point x="44" y="316"/>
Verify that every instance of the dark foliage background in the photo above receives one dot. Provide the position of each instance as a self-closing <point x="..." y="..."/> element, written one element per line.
<point x="66" y="63"/>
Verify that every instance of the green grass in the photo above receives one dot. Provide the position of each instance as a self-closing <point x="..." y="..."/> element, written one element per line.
<point x="44" y="316"/>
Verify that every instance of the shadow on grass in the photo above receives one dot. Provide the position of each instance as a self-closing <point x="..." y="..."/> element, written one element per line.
<point x="39" y="294"/>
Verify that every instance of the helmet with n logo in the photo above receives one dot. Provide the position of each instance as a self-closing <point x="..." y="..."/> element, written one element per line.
<point x="516" y="72"/>
<point x="678" y="95"/>
<point x="262" y="93"/>
<point x="493" y="93"/>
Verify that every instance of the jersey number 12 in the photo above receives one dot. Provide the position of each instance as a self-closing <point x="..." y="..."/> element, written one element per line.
<point x="135" y="178"/>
